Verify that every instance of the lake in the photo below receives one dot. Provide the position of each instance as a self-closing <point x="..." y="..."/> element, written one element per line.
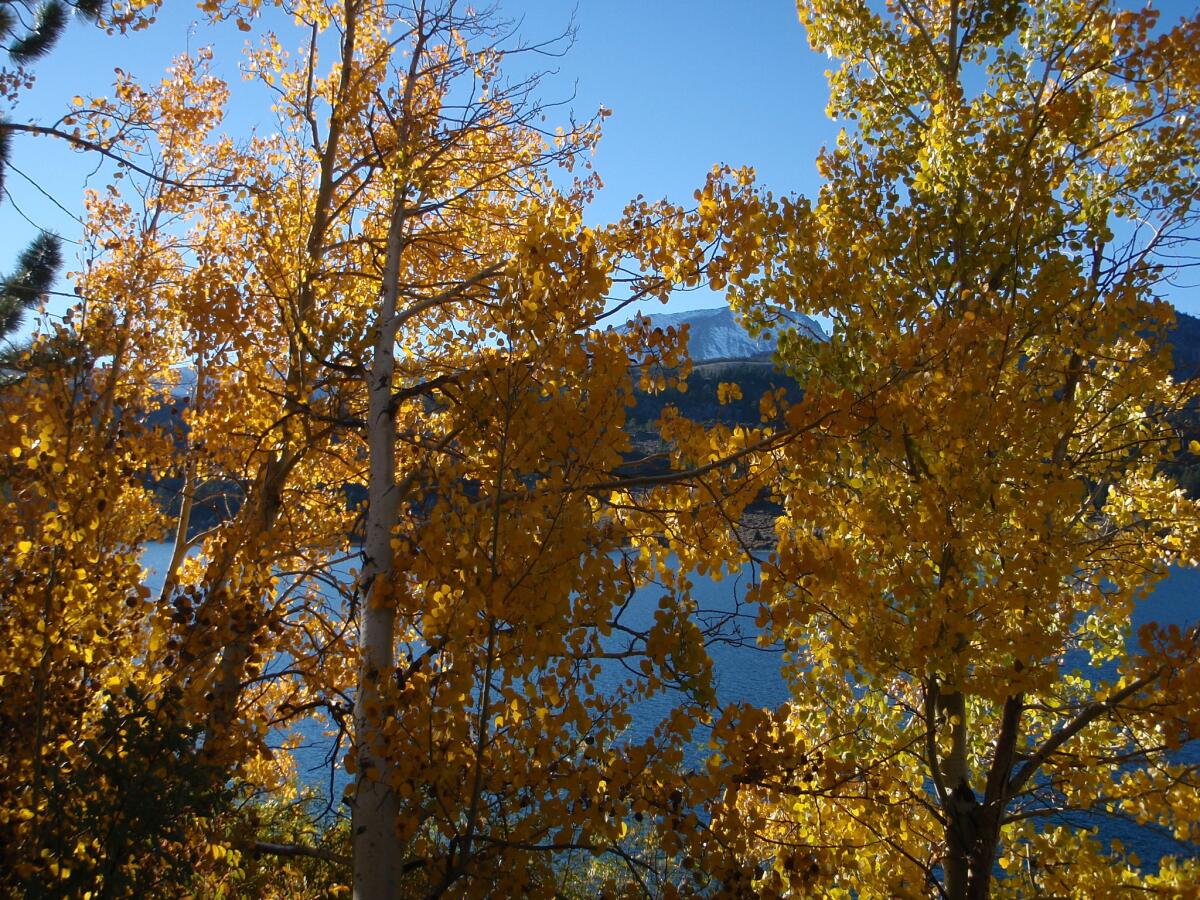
<point x="747" y="674"/>
<point x="743" y="673"/>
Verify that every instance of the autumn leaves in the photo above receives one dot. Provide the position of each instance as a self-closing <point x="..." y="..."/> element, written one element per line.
<point x="393" y="293"/>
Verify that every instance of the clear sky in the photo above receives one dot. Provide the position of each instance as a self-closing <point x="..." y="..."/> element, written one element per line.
<point x="691" y="83"/>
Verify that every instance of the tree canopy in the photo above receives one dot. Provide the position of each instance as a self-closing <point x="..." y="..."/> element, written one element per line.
<point x="965" y="545"/>
<point x="377" y="335"/>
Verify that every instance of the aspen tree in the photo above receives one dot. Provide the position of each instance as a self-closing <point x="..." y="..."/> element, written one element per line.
<point x="962" y="554"/>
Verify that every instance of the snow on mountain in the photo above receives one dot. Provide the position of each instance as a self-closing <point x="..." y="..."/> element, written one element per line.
<point x="717" y="334"/>
<point x="714" y="334"/>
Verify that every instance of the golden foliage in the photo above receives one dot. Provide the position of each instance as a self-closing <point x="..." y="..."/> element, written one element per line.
<point x="965" y="542"/>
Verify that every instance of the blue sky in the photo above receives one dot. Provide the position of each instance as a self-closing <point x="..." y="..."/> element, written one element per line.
<point x="691" y="83"/>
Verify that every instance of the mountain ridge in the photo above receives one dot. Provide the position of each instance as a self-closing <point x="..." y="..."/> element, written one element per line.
<point x="714" y="333"/>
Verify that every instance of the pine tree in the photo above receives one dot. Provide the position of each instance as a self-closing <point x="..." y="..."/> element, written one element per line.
<point x="36" y="269"/>
<point x="26" y="43"/>
<point x="27" y="34"/>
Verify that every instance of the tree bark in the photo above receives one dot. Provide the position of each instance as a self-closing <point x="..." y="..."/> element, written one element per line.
<point x="972" y="831"/>
<point x="377" y="853"/>
<point x="983" y="853"/>
<point x="960" y="801"/>
<point x="972" y="836"/>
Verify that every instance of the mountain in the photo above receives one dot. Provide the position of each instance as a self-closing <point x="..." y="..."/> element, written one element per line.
<point x="716" y="333"/>
<point x="721" y="351"/>
<point x="1185" y="346"/>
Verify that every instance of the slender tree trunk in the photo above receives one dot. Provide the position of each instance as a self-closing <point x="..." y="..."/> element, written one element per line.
<point x="187" y="500"/>
<point x="960" y="799"/>
<point x="376" y="807"/>
<point x="983" y="852"/>
<point x="972" y="836"/>
<point x="972" y="828"/>
<point x="258" y="521"/>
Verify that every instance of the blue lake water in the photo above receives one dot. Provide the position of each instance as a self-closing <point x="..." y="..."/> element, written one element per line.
<point x="744" y="673"/>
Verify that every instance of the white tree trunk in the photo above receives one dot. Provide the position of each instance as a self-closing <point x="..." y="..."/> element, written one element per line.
<point x="376" y="849"/>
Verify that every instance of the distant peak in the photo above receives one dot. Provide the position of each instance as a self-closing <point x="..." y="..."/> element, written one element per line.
<point x="716" y="333"/>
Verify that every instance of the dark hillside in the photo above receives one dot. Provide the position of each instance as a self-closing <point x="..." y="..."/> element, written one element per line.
<point x="1184" y="343"/>
<point x="1185" y="346"/>
<point x="755" y="376"/>
<point x="699" y="402"/>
